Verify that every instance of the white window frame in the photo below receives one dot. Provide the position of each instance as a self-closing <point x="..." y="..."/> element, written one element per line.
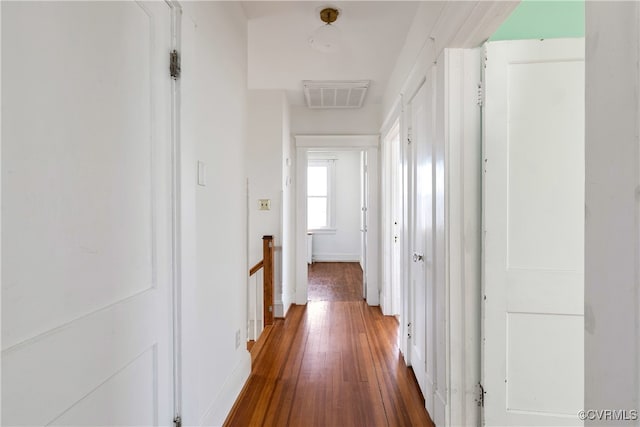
<point x="330" y="163"/>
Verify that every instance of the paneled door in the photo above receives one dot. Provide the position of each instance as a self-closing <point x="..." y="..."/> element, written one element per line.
<point x="533" y="358"/>
<point x="86" y="195"/>
<point x="421" y="342"/>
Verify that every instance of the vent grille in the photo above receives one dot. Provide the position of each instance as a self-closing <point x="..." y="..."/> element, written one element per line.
<point x="335" y="94"/>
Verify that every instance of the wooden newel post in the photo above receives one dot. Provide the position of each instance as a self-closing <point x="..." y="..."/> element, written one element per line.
<point x="267" y="250"/>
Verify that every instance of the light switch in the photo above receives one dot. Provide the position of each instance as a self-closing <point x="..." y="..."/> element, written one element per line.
<point x="264" y="204"/>
<point x="202" y="174"/>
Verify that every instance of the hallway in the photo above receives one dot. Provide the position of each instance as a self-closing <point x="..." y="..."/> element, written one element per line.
<point x="147" y="148"/>
<point x="331" y="363"/>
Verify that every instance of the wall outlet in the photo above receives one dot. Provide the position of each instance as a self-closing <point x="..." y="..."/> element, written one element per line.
<point x="264" y="204"/>
<point x="237" y="339"/>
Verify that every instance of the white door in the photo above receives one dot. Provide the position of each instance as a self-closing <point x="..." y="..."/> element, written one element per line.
<point x="533" y="359"/>
<point x="86" y="243"/>
<point x="364" y="201"/>
<point x="391" y="213"/>
<point x="422" y="280"/>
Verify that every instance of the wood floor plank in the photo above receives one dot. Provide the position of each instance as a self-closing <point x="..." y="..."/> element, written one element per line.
<point x="331" y="363"/>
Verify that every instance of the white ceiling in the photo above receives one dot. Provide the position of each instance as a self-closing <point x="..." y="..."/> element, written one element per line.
<point x="280" y="56"/>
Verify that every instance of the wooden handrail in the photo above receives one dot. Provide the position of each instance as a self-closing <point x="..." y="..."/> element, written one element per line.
<point x="267" y="251"/>
<point x="267" y="280"/>
<point x="256" y="267"/>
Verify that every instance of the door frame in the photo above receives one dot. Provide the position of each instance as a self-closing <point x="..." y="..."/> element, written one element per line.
<point x="463" y="190"/>
<point x="368" y="144"/>
<point x="176" y="203"/>
<point x="390" y="166"/>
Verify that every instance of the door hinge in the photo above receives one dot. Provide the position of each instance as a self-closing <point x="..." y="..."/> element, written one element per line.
<point x="270" y="309"/>
<point x="480" y="399"/>
<point x="409" y="330"/>
<point x="480" y="100"/>
<point x="174" y="64"/>
<point x="177" y="421"/>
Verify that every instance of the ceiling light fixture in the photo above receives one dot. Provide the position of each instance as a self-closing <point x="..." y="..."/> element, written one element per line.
<point x="327" y="38"/>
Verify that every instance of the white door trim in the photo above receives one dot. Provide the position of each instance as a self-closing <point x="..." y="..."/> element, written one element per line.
<point x="463" y="213"/>
<point x="176" y="201"/>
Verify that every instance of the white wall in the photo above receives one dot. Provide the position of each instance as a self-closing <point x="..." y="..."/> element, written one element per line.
<point x="305" y="121"/>
<point x="612" y="291"/>
<point x="345" y="243"/>
<point x="264" y="167"/>
<point x="214" y="217"/>
<point x="269" y="147"/>
<point x="264" y="171"/>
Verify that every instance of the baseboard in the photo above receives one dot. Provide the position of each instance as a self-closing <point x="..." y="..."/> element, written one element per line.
<point x="223" y="402"/>
<point x="278" y="309"/>
<point x="336" y="257"/>
<point x="287" y="302"/>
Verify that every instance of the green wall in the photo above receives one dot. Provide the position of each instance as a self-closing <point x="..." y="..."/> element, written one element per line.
<point x="541" y="19"/>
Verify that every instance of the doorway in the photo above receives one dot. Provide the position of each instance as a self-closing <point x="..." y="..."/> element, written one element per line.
<point x="337" y="208"/>
<point x="336" y="223"/>
<point x="391" y="221"/>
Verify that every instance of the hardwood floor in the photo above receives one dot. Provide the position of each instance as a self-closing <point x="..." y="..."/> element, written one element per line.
<point x="331" y="363"/>
<point x="335" y="281"/>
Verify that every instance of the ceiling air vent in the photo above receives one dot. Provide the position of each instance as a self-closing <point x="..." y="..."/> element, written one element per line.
<point x="335" y="94"/>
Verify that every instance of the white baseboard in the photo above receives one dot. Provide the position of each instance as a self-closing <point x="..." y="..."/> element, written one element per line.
<point x="336" y="257"/>
<point x="223" y="402"/>
<point x="288" y="301"/>
<point x="278" y="309"/>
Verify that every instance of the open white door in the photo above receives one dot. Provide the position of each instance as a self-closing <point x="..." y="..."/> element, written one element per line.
<point x="533" y="359"/>
<point x="86" y="186"/>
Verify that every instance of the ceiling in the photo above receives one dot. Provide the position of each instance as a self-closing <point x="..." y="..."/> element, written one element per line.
<point x="280" y="57"/>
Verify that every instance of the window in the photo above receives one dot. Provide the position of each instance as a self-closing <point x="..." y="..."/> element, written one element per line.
<point x="320" y="195"/>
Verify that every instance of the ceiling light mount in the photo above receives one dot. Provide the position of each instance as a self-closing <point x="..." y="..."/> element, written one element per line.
<point x="327" y="38"/>
<point x="329" y="15"/>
